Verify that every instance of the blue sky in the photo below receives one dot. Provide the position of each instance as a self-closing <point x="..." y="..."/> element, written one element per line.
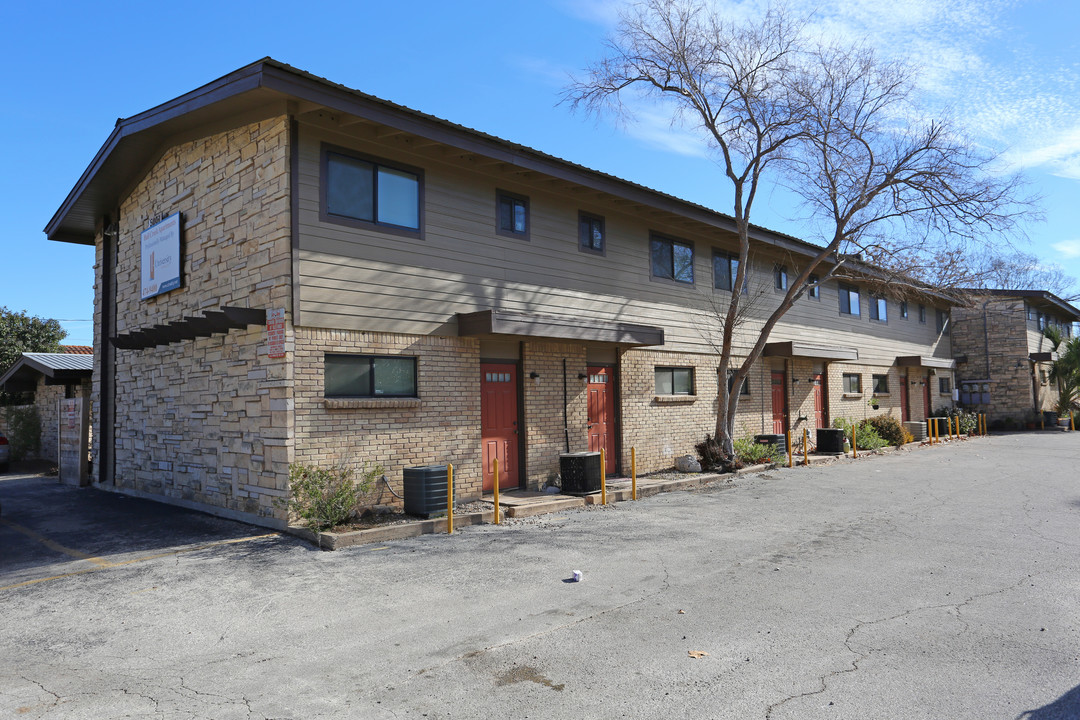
<point x="1009" y="70"/>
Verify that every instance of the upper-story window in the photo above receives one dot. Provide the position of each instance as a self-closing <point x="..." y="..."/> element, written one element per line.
<point x="725" y="269"/>
<point x="903" y="309"/>
<point x="780" y="278"/>
<point x="512" y="213"/>
<point x="922" y="314"/>
<point x="1040" y="321"/>
<point x="879" y="309"/>
<point x="849" y="299"/>
<point x="591" y="233"/>
<point x="942" y="320"/>
<point x="671" y="259"/>
<point x="813" y="290"/>
<point x="366" y="191"/>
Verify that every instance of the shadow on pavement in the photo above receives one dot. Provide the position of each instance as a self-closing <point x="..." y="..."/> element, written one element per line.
<point x="44" y="523"/>
<point x="1066" y="707"/>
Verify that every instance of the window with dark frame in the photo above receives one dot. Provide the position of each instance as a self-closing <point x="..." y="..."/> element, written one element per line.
<point x="879" y="309"/>
<point x="674" y="380"/>
<point x="849" y="300"/>
<point x="369" y="376"/>
<point x="903" y="309"/>
<point x="725" y="270"/>
<point x="780" y="278"/>
<point x="671" y="259"/>
<point x="813" y="290"/>
<point x="744" y="389"/>
<point x="881" y="384"/>
<point x="944" y="385"/>
<point x="852" y="383"/>
<point x="942" y="320"/>
<point x="922" y="314"/>
<point x="513" y="214"/>
<point x="364" y="190"/>
<point x="591" y="233"/>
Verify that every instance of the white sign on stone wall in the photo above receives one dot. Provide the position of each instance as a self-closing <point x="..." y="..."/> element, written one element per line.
<point x="275" y="333"/>
<point x="161" y="259"/>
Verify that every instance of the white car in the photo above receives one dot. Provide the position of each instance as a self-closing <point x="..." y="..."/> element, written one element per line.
<point x="5" y="454"/>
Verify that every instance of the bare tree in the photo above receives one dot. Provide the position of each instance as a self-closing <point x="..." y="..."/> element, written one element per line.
<point x="835" y="122"/>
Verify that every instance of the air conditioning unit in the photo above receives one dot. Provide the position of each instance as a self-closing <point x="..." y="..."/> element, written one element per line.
<point x="425" y="490"/>
<point x="581" y="473"/>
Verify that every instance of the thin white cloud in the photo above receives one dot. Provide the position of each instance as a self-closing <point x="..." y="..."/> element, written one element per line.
<point x="1068" y="248"/>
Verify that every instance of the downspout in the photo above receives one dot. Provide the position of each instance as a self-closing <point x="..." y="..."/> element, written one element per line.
<point x="565" y="415"/>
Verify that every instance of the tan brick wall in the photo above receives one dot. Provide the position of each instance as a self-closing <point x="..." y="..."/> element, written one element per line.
<point x="207" y="422"/>
<point x="663" y="428"/>
<point x="545" y="427"/>
<point x="441" y="426"/>
<point x="857" y="407"/>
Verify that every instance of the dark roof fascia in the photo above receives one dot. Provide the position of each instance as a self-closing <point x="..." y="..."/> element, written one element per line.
<point x="1044" y="295"/>
<point x="289" y="81"/>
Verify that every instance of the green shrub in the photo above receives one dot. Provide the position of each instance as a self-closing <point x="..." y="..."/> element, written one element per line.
<point x="325" y="497"/>
<point x="751" y="453"/>
<point x="24" y="431"/>
<point x="890" y="430"/>
<point x="969" y="421"/>
<point x="865" y="436"/>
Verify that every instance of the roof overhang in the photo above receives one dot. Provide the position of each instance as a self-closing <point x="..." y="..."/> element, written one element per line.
<point x="267" y="88"/>
<point x="500" y="322"/>
<point x="24" y="374"/>
<point x="1043" y="356"/>
<point x="792" y="349"/>
<point x="926" y="361"/>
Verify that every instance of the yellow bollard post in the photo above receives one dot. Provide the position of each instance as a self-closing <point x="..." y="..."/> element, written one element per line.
<point x="854" y="444"/>
<point x="603" y="478"/>
<point x="1042" y="423"/>
<point x="948" y="428"/>
<point x="805" y="446"/>
<point x="930" y="430"/>
<point x="633" y="474"/>
<point x="496" y="461"/>
<point x="1072" y="422"/>
<point x="449" y="498"/>
<point x="788" y="449"/>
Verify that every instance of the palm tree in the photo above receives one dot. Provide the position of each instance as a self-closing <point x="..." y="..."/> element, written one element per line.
<point x="1065" y="371"/>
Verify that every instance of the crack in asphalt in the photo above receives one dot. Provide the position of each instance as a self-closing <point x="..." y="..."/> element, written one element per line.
<point x="860" y="656"/>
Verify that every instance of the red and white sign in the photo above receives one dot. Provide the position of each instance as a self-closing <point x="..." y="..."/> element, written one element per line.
<point x="275" y="333"/>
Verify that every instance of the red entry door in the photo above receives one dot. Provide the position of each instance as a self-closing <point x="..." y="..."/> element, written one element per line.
<point x="905" y="414"/>
<point x="498" y="423"/>
<point x="926" y="396"/>
<point x="601" y="431"/>
<point x="819" y="400"/>
<point x="778" y="398"/>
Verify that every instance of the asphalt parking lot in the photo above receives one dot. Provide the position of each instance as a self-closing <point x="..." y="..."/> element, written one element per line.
<point x="934" y="583"/>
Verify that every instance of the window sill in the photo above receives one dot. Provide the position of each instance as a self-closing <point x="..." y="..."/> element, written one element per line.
<point x="852" y="395"/>
<point x="674" y="399"/>
<point x="369" y="403"/>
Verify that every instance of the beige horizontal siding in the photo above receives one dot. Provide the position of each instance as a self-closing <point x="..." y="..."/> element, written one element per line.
<point x="369" y="280"/>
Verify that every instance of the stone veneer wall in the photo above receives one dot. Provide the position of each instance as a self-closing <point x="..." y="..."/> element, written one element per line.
<point x="545" y="426"/>
<point x="993" y="335"/>
<point x="441" y="426"/>
<point x="207" y="423"/>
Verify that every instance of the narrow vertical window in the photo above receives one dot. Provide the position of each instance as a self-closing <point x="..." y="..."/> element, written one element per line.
<point x="813" y="290"/>
<point x="513" y="215"/>
<point x="849" y="300"/>
<point x="591" y="233"/>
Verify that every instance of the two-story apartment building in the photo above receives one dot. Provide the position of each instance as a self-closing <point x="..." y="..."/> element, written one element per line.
<point x="289" y="270"/>
<point x="1003" y="357"/>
